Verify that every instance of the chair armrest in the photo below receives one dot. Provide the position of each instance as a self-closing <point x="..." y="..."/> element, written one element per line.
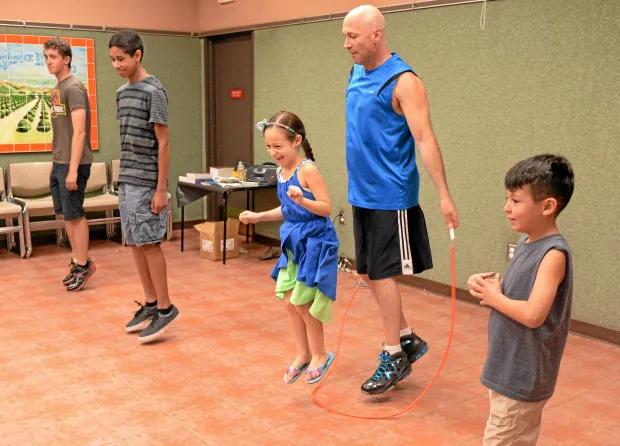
<point x="21" y="203"/>
<point x="15" y="200"/>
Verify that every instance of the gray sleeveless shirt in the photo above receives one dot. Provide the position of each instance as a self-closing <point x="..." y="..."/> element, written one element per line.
<point x="523" y="363"/>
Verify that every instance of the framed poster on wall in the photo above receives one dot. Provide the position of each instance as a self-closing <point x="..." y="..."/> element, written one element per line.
<point x="26" y="91"/>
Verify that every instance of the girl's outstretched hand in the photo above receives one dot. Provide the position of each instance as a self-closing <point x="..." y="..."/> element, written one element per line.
<point x="248" y="217"/>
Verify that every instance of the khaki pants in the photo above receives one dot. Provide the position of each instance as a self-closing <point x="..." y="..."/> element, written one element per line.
<point x="512" y="422"/>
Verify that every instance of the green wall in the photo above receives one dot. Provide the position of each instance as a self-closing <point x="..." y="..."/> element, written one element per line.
<point x="177" y="63"/>
<point x="541" y="77"/>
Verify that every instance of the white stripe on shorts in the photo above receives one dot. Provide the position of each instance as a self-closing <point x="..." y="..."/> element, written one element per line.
<point x="405" y="248"/>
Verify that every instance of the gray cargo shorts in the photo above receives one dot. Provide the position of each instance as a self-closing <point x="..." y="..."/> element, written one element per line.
<point x="139" y="224"/>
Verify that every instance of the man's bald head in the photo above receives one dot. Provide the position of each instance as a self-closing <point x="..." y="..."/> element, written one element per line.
<point x="364" y="36"/>
<point x="366" y="17"/>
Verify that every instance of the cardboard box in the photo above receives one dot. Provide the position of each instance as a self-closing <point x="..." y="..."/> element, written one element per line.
<point x="212" y="239"/>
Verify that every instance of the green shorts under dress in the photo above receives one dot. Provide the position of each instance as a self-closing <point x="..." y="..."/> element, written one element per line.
<point x="321" y="307"/>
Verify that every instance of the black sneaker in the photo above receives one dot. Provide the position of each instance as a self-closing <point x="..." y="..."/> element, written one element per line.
<point x="69" y="277"/>
<point x="391" y="370"/>
<point x="158" y="325"/>
<point x="413" y="346"/>
<point x="81" y="275"/>
<point x="141" y="318"/>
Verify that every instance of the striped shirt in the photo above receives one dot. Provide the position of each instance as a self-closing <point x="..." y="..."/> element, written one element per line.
<point x="139" y="106"/>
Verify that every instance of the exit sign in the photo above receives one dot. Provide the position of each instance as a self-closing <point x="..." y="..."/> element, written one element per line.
<point x="236" y="94"/>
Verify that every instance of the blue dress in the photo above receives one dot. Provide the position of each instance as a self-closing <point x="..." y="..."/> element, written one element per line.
<point x="309" y="261"/>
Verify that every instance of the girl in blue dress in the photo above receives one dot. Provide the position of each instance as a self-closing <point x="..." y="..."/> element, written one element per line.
<point x="306" y="272"/>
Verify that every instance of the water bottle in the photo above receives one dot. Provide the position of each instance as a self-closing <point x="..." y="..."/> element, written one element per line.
<point x="241" y="171"/>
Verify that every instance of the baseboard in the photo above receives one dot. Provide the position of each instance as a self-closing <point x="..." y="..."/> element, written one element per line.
<point x="189" y="224"/>
<point x="41" y="238"/>
<point x="437" y="288"/>
<point x="576" y="327"/>
<point x="594" y="331"/>
<point x="265" y="240"/>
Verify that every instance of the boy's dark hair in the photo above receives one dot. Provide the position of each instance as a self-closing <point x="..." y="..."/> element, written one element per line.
<point x="292" y="120"/>
<point x="63" y="47"/>
<point x="128" y="41"/>
<point x="548" y="176"/>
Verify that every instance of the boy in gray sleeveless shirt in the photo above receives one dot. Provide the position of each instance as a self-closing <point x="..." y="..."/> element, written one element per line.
<point x="531" y="306"/>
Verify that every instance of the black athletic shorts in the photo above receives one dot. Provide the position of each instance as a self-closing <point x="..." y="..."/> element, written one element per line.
<point x="391" y="243"/>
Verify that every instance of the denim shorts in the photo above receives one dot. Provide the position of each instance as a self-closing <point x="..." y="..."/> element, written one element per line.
<point x="69" y="204"/>
<point x="139" y="224"/>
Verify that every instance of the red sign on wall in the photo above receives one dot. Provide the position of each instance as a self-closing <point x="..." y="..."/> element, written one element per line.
<point x="236" y="94"/>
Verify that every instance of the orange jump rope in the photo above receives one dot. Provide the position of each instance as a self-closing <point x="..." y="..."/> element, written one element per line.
<point x="430" y="384"/>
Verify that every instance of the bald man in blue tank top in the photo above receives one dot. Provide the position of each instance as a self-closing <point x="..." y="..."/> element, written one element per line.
<point x="388" y="115"/>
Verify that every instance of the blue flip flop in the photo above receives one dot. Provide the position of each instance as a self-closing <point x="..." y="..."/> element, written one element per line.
<point x="317" y="373"/>
<point x="296" y="371"/>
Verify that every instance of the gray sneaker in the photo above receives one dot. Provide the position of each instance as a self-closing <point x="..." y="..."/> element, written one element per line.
<point x="141" y="319"/>
<point x="158" y="325"/>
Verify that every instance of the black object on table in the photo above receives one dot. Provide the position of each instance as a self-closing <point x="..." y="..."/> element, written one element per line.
<point x="189" y="192"/>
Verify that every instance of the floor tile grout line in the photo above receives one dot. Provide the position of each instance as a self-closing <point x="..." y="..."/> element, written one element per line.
<point x="304" y="402"/>
<point x="155" y="403"/>
<point x="581" y="421"/>
<point x="451" y="434"/>
<point x="64" y="423"/>
<point x="582" y="441"/>
<point x="52" y="425"/>
<point x="82" y="407"/>
<point x="216" y="395"/>
<point x="321" y="412"/>
<point x="17" y="422"/>
<point x="50" y="377"/>
<point x="272" y="430"/>
<point x="607" y="431"/>
<point x="240" y="409"/>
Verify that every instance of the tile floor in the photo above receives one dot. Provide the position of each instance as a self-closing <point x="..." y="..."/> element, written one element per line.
<point x="70" y="375"/>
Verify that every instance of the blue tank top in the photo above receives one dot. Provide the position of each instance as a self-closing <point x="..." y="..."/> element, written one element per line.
<point x="291" y="211"/>
<point x="380" y="147"/>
